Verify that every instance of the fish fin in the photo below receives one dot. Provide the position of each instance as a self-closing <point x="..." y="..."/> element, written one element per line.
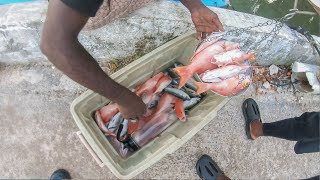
<point x="252" y="56"/>
<point x="201" y="87"/>
<point x="179" y="109"/>
<point x="184" y="73"/>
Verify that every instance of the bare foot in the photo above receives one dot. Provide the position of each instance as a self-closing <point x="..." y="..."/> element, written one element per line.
<point x="256" y="129"/>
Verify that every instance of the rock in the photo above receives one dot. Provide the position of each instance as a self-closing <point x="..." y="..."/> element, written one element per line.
<point x="146" y="28"/>
<point x="266" y="85"/>
<point x="273" y="69"/>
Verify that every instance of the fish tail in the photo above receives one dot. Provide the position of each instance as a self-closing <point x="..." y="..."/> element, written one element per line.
<point x="202" y="87"/>
<point x="184" y="73"/>
<point x="252" y="56"/>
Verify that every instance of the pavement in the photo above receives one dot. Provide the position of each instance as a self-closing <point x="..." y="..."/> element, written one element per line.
<point x="38" y="133"/>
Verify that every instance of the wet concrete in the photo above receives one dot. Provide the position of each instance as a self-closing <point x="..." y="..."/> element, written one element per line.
<point x="38" y="134"/>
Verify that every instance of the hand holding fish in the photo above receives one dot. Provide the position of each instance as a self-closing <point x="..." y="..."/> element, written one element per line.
<point x="131" y="105"/>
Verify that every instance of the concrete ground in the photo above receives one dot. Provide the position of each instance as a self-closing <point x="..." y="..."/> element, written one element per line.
<point x="38" y="134"/>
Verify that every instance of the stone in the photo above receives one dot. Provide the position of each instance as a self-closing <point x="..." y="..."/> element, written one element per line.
<point x="266" y="85"/>
<point x="273" y="69"/>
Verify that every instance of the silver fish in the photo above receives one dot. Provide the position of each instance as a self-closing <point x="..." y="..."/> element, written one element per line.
<point x="191" y="103"/>
<point x="222" y="73"/>
<point x="115" y="122"/>
<point x="124" y="128"/>
<point x="190" y="92"/>
<point x="172" y="74"/>
<point x="178" y="93"/>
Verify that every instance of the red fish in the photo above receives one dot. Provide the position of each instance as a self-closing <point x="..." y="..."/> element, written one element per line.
<point x="226" y="45"/>
<point x="101" y="125"/>
<point x="200" y="63"/>
<point x="166" y="101"/>
<point x="162" y="83"/>
<point x="132" y="127"/>
<point x="228" y="87"/>
<point x="179" y="109"/>
<point x="202" y="58"/>
<point x="149" y="85"/>
<point x="108" y="111"/>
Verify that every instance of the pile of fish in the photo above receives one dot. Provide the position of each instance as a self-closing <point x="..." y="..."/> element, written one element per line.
<point x="222" y="67"/>
<point x="163" y="99"/>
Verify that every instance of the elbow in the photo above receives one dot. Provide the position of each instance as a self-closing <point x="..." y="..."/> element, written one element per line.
<point x="54" y="46"/>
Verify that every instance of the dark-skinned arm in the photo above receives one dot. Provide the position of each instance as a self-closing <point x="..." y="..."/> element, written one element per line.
<point x="203" y="18"/>
<point x="59" y="42"/>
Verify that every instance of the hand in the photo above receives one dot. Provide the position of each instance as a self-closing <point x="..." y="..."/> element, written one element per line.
<point x="131" y="105"/>
<point x="205" y="21"/>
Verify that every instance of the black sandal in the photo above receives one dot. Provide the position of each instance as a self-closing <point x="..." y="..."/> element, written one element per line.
<point x="250" y="110"/>
<point x="207" y="169"/>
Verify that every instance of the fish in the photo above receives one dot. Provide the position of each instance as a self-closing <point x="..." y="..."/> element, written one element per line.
<point x="199" y="64"/>
<point x="188" y="104"/>
<point x="101" y="124"/>
<point x="172" y="73"/>
<point x="226" y="45"/>
<point x="235" y="56"/>
<point x="115" y="122"/>
<point x="146" y="97"/>
<point x="190" y="92"/>
<point x="149" y="85"/>
<point x="154" y="101"/>
<point x="175" y="81"/>
<point x="222" y="73"/>
<point x="119" y="147"/>
<point x="203" y="58"/>
<point x="228" y="87"/>
<point x="167" y="100"/>
<point x="133" y="126"/>
<point x="188" y="84"/>
<point x="179" y="110"/>
<point x="163" y="82"/>
<point x="191" y="86"/>
<point x="177" y="64"/>
<point x="124" y="128"/>
<point x="151" y="98"/>
<point x="156" y="125"/>
<point x="108" y="111"/>
<point x="177" y="93"/>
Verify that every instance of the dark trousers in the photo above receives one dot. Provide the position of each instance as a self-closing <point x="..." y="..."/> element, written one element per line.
<point x="304" y="129"/>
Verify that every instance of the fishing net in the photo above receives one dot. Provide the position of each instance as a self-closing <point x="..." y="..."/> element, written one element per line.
<point x="113" y="9"/>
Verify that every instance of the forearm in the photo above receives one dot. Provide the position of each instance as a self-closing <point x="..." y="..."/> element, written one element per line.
<point x="192" y="4"/>
<point x="72" y="59"/>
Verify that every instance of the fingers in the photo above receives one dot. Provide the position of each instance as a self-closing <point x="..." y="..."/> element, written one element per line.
<point x="198" y="35"/>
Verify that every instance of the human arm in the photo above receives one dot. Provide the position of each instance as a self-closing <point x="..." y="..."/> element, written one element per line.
<point x="59" y="42"/>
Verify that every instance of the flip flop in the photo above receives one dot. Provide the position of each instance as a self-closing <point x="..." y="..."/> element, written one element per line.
<point x="207" y="169"/>
<point x="250" y="110"/>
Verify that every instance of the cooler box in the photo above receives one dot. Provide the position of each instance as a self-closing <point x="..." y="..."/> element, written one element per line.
<point x="83" y="108"/>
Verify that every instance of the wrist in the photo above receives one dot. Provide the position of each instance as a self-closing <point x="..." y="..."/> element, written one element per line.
<point x="121" y="95"/>
<point x="193" y="5"/>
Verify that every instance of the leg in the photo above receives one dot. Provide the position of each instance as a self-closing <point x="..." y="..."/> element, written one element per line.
<point x="304" y="127"/>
